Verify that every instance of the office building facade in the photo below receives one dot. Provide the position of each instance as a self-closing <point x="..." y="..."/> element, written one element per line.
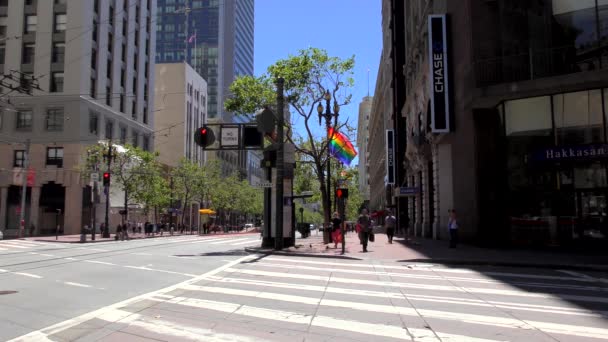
<point x="94" y="62"/>
<point x="365" y="108"/>
<point x="523" y="158"/>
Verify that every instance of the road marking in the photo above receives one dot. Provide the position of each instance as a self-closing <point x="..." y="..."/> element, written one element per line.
<point x="180" y="257"/>
<point x="156" y="270"/>
<point x="418" y="286"/>
<point x="71" y="259"/>
<point x="47" y="255"/>
<point x="76" y="284"/>
<point x="561" y="310"/>
<point x="100" y="262"/>
<point x="53" y="329"/>
<point x="248" y="242"/>
<point x="34" y="253"/>
<point x="12" y="245"/>
<point x="141" y="253"/>
<point x="96" y="249"/>
<point x="3" y="249"/>
<point x="431" y="277"/>
<point x="3" y="271"/>
<point x="381" y="330"/>
<point x="213" y="240"/>
<point x="28" y="275"/>
<point x="577" y="274"/>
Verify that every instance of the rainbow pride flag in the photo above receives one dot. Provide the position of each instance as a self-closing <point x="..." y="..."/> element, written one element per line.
<point x="340" y="147"/>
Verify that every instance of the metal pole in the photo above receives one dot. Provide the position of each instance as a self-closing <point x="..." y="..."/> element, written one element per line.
<point x="328" y="124"/>
<point x="278" y="242"/>
<point x="93" y="205"/>
<point x="26" y="163"/>
<point x="106" y="231"/>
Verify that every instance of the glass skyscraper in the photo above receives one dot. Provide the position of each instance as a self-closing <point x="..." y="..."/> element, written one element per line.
<point x="216" y="40"/>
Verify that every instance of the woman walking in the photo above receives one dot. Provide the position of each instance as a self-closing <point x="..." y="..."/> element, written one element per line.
<point x="336" y="233"/>
<point x="365" y="223"/>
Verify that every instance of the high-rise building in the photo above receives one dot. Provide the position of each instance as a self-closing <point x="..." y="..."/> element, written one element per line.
<point x="94" y="63"/>
<point x="216" y="38"/>
<point x="181" y="107"/>
<point x="365" y="108"/>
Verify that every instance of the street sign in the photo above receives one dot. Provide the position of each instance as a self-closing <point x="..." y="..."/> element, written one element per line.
<point x="406" y="191"/>
<point x="264" y="185"/>
<point x="94" y="177"/>
<point x="229" y="136"/>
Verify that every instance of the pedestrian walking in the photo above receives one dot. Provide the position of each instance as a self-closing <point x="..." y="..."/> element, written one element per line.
<point x="453" y="228"/>
<point x="364" y="223"/>
<point x="118" y="235"/>
<point x="336" y="233"/>
<point x="389" y="224"/>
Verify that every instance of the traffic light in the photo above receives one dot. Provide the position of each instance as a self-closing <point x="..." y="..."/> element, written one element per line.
<point x="204" y="136"/>
<point x="252" y="138"/>
<point x="106" y="179"/>
<point x="341" y="193"/>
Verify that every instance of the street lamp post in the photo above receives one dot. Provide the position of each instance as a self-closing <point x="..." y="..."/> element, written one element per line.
<point x="328" y="115"/>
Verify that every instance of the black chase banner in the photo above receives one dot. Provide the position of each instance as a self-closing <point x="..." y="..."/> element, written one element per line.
<point x="390" y="157"/>
<point x="439" y="81"/>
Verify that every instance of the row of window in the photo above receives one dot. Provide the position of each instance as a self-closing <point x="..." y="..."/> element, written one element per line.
<point x="94" y="122"/>
<point x="60" y="23"/>
<point x="54" y="157"/>
<point x="53" y="120"/>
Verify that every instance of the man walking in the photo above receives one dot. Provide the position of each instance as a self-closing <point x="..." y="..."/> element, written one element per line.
<point x="453" y="228"/>
<point x="389" y="224"/>
<point x="365" y="223"/>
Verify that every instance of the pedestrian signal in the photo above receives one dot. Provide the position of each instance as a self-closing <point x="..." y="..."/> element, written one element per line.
<point x="341" y="193"/>
<point x="106" y="179"/>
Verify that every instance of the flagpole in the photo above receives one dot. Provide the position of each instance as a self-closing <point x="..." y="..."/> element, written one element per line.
<point x="195" y="51"/>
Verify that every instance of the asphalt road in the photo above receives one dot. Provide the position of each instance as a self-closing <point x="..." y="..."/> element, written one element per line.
<point x="54" y="282"/>
<point x="208" y="289"/>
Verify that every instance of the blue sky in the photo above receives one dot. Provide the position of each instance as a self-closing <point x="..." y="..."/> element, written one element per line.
<point x="342" y="27"/>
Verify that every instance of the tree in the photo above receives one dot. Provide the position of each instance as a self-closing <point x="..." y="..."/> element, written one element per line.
<point x="185" y="177"/>
<point x="128" y="168"/>
<point x="153" y="191"/>
<point x="308" y="76"/>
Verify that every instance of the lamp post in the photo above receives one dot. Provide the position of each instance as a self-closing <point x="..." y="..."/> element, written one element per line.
<point x="328" y="115"/>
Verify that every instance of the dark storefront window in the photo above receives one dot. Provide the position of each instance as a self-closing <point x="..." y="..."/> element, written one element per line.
<point x="557" y="160"/>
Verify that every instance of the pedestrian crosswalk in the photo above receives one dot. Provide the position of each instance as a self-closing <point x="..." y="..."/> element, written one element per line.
<point x="7" y="246"/>
<point x="278" y="298"/>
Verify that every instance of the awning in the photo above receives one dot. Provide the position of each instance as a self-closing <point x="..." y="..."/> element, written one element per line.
<point x="206" y="212"/>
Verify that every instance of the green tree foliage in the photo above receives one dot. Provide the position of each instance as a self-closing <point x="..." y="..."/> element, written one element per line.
<point x="308" y="76"/>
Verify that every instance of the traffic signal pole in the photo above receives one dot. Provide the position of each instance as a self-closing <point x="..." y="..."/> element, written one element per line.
<point x="24" y="173"/>
<point x="278" y="241"/>
<point x="106" y="232"/>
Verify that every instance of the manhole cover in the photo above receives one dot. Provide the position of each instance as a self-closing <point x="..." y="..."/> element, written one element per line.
<point x="7" y="292"/>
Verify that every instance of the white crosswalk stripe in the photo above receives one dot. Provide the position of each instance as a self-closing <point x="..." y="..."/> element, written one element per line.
<point x="366" y="301"/>
<point x="18" y="245"/>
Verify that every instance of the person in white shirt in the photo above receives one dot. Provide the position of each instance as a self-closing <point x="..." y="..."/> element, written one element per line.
<point x="389" y="224"/>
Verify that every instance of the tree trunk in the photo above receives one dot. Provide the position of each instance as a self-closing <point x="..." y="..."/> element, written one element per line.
<point x="125" y="217"/>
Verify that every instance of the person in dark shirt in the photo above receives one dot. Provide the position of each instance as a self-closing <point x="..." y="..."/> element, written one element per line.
<point x="336" y="232"/>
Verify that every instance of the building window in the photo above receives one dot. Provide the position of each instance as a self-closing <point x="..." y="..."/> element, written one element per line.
<point x="146" y="143"/>
<point x="124" y="27"/>
<point x="578" y="118"/>
<point x="61" y="21"/>
<point x="24" y="120"/>
<point x="122" y="103"/>
<point x="94" y="30"/>
<point x="109" y="129"/>
<point x="57" y="82"/>
<point x="3" y="26"/>
<point x="135" y="62"/>
<point x="93" y="88"/>
<point x="58" y="52"/>
<point x="111" y="16"/>
<point x="123" y="54"/>
<point x="61" y="2"/>
<point x="2" y="53"/>
<point x="94" y="59"/>
<point x="123" y="78"/>
<point x="3" y="3"/>
<point x="123" y="135"/>
<point x="96" y="6"/>
<point x="18" y="158"/>
<point x="93" y="123"/>
<point x="109" y="69"/>
<point x="28" y="54"/>
<point x="134" y="110"/>
<point x="31" y="21"/>
<point x="145" y="119"/>
<point x="108" y="96"/>
<point x="54" y="120"/>
<point x="134" y="138"/>
<point x="135" y="86"/>
<point x="54" y="156"/>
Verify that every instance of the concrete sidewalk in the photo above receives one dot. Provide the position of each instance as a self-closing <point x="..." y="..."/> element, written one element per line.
<point x="434" y="251"/>
<point x="132" y="236"/>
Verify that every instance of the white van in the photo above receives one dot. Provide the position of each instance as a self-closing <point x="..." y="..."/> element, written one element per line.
<point x="248" y="227"/>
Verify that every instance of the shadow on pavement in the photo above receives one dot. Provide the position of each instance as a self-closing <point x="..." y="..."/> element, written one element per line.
<point x="564" y="275"/>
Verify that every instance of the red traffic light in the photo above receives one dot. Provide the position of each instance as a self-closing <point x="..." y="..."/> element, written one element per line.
<point x="106" y="178"/>
<point x="341" y="193"/>
<point x="106" y="175"/>
<point x="203" y="131"/>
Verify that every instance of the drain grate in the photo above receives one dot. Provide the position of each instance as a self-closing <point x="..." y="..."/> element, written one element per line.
<point x="7" y="292"/>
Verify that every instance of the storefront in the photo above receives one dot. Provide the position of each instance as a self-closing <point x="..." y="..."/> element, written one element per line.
<point x="557" y="163"/>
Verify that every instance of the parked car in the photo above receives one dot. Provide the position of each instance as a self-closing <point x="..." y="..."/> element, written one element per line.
<point x="248" y="226"/>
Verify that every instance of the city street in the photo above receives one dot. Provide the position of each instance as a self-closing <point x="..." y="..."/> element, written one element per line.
<point x="207" y="289"/>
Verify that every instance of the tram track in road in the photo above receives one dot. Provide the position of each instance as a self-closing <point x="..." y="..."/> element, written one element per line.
<point x="89" y="256"/>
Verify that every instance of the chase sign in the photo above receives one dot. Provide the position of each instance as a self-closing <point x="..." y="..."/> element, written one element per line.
<point x="439" y="79"/>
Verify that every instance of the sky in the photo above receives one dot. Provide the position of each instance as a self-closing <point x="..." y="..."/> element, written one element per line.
<point x="342" y="27"/>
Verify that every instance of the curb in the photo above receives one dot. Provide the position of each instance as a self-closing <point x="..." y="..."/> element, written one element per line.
<point x="131" y="239"/>
<point x="297" y="254"/>
<point x="579" y="267"/>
